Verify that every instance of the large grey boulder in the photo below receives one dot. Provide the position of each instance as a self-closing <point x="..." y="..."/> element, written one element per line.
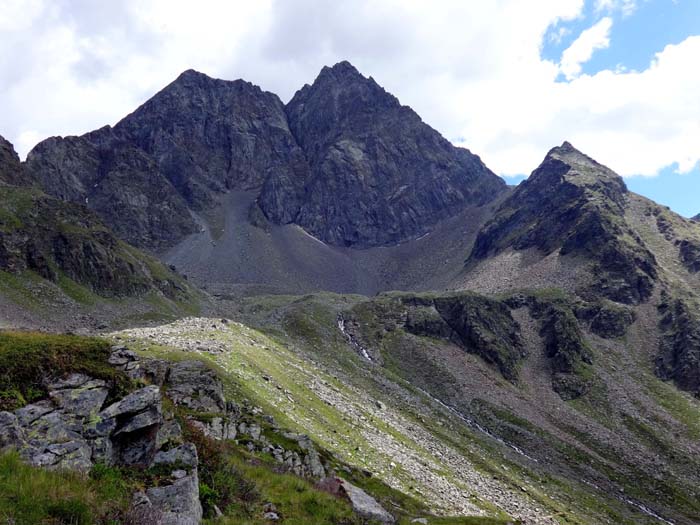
<point x="133" y="403"/>
<point x="364" y="504"/>
<point x="183" y="456"/>
<point x="30" y="413"/>
<point x="82" y="396"/>
<point x="179" y="502"/>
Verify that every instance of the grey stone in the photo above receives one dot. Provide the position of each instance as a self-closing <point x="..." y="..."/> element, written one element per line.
<point x="134" y="402"/>
<point x="72" y="381"/>
<point x="98" y="426"/>
<point x="121" y="355"/>
<point x="184" y="455"/>
<point x="169" y="433"/>
<point x="11" y="434"/>
<point x="82" y="401"/>
<point x="137" y="448"/>
<point x="55" y="427"/>
<point x="30" y="413"/>
<point x="148" y="418"/>
<point x="178" y="502"/>
<point x="102" y="451"/>
<point x="364" y="504"/>
<point x="193" y="385"/>
<point x="75" y="455"/>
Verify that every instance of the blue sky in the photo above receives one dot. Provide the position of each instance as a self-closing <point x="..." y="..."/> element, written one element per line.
<point x="635" y="38"/>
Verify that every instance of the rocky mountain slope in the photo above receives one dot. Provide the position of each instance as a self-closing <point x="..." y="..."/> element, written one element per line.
<point x="541" y="363"/>
<point x="56" y="253"/>
<point x="575" y="207"/>
<point x="378" y="174"/>
<point x="344" y="160"/>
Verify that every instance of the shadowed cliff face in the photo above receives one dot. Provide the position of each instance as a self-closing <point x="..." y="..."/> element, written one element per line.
<point x="378" y="174"/>
<point x="208" y="136"/>
<point x="344" y="160"/>
<point x="10" y="167"/>
<point x="118" y="181"/>
<point x="55" y="239"/>
<point x="574" y="205"/>
<point x="191" y="142"/>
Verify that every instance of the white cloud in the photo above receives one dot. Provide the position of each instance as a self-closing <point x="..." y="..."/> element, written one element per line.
<point x="471" y="69"/>
<point x="626" y="7"/>
<point x="581" y="50"/>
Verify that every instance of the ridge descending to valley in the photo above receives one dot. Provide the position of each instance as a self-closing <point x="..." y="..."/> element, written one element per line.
<point x="524" y="354"/>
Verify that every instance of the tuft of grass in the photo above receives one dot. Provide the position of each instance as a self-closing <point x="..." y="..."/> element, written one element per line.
<point x="31" y="495"/>
<point x="28" y="358"/>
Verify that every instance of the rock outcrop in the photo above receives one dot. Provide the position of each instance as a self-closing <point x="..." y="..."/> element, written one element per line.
<point x="679" y="345"/>
<point x="53" y="239"/>
<point x="477" y="324"/>
<point x="378" y="174"/>
<point x="689" y="251"/>
<point x="10" y="167"/>
<point x="195" y="140"/>
<point x="120" y="182"/>
<point x="574" y="206"/>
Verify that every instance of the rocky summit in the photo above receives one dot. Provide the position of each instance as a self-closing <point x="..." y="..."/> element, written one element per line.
<point x="344" y="160"/>
<point x="377" y="174"/>
<point x="323" y="312"/>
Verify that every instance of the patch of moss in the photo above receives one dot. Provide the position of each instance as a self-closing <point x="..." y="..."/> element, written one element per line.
<point x="28" y="359"/>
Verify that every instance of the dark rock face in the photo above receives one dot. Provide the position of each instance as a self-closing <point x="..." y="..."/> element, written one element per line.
<point x="119" y="181"/>
<point x="344" y="160"/>
<point x="606" y="319"/>
<point x="49" y="236"/>
<point x="378" y="174"/>
<point x="690" y="254"/>
<point x="679" y="346"/>
<point x="697" y="217"/>
<point x="564" y="343"/>
<point x="208" y="136"/>
<point x="477" y="324"/>
<point x="10" y="167"/>
<point x="52" y="237"/>
<point x="567" y="350"/>
<point x="573" y="204"/>
<point x="196" y="139"/>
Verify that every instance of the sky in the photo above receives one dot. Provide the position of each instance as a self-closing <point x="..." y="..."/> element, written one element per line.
<point x="509" y="79"/>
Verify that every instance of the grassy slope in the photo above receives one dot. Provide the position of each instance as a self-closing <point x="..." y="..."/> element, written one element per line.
<point x="150" y="292"/>
<point x="628" y="418"/>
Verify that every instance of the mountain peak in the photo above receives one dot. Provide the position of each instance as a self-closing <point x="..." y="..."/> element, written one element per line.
<point x="580" y="169"/>
<point x="343" y="70"/>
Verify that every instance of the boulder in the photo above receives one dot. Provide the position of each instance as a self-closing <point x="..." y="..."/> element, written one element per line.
<point x="83" y="400"/>
<point x="133" y="403"/>
<point x="11" y="434"/>
<point x="363" y="504"/>
<point x="30" y="413"/>
<point x="178" y="502"/>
